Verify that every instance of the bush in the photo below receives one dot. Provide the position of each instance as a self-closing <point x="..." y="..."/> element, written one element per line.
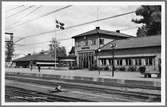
<point x="121" y="69"/>
<point x="141" y="69"/>
<point x="93" y="68"/>
<point x="132" y="68"/>
<point x="73" y="67"/>
<point x="106" y="68"/>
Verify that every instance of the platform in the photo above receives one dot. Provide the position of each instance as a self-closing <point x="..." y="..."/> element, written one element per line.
<point x="133" y="78"/>
<point x="87" y="73"/>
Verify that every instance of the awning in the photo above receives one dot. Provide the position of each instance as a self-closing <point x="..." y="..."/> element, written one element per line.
<point x="128" y="56"/>
<point x="67" y="60"/>
<point x="46" y="63"/>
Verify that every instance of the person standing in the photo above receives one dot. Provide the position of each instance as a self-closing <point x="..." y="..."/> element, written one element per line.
<point x="39" y="68"/>
<point x="31" y="67"/>
<point x="159" y="67"/>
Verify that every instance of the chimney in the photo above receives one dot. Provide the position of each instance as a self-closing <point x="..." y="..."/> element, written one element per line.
<point x="98" y="28"/>
<point x="118" y="31"/>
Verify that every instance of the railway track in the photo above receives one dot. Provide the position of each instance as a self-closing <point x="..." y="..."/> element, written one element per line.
<point x="125" y="94"/>
<point x="34" y="96"/>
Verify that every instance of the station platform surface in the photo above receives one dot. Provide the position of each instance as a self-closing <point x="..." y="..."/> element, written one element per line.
<point x="86" y="73"/>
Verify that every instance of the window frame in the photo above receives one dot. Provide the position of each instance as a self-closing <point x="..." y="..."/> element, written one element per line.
<point x="128" y="62"/>
<point x="101" y="41"/>
<point x="93" y="42"/>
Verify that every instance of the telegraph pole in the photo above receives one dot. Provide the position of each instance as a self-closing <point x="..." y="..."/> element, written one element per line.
<point x="113" y="45"/>
<point x="10" y="47"/>
<point x="60" y="26"/>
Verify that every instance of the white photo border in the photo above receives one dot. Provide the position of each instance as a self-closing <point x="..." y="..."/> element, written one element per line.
<point x="163" y="97"/>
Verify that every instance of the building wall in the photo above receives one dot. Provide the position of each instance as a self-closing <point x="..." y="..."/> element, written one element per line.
<point x="147" y="56"/>
<point x="93" y="43"/>
<point x="133" y="51"/>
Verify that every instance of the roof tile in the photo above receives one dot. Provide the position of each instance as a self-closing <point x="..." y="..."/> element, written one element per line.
<point x="95" y="31"/>
<point x="135" y="42"/>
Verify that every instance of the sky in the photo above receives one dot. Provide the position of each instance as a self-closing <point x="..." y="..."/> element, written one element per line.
<point x="76" y="14"/>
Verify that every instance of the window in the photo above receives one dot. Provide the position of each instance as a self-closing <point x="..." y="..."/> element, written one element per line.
<point x="110" y="61"/>
<point x="77" y="44"/>
<point x="149" y="61"/>
<point x="119" y="62"/>
<point x="103" y="61"/>
<point x="101" y="41"/>
<point x="128" y="62"/>
<point x="89" y="42"/>
<point x="93" y="42"/>
<point x="86" y="43"/>
<point x="138" y="62"/>
<point x="82" y="43"/>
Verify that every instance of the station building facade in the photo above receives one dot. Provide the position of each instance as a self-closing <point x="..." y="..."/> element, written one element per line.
<point x="44" y="60"/>
<point x="132" y="52"/>
<point x="87" y="43"/>
<point x="94" y="48"/>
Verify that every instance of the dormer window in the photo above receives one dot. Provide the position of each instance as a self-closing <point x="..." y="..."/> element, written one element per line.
<point x="77" y="44"/>
<point x="94" y="42"/>
<point x="86" y="43"/>
<point x="101" y="41"/>
<point x="85" y="37"/>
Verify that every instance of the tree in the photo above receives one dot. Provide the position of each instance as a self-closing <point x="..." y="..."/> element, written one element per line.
<point x="60" y="51"/>
<point x="151" y="20"/>
<point x="72" y="51"/>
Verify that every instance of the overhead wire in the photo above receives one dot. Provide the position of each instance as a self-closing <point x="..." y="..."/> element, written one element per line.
<point x="15" y="8"/>
<point x="38" y="17"/>
<point x="78" y="25"/>
<point x="32" y="43"/>
<point x="29" y="13"/>
<point x="19" y="12"/>
<point x="37" y="43"/>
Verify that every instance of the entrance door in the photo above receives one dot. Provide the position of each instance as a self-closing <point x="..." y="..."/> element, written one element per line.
<point x="86" y="59"/>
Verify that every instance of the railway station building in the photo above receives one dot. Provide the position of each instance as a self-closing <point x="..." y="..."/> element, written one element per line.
<point x="103" y="48"/>
<point x="87" y="43"/>
<point x="132" y="53"/>
<point x="45" y="60"/>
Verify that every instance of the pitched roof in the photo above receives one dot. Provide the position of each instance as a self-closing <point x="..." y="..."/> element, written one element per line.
<point x="100" y="31"/>
<point x="134" y="43"/>
<point x="39" y="57"/>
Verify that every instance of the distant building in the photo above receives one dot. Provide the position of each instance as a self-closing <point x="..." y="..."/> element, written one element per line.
<point x="86" y="44"/>
<point x="44" y="60"/>
<point x="35" y="59"/>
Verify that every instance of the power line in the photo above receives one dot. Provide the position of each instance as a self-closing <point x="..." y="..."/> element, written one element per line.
<point x="32" y="43"/>
<point x="46" y="14"/>
<point x="102" y="19"/>
<point x="15" y="8"/>
<point x="128" y="28"/>
<point x="34" y="35"/>
<point x="29" y="13"/>
<point x="37" y="43"/>
<point x="19" y="12"/>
